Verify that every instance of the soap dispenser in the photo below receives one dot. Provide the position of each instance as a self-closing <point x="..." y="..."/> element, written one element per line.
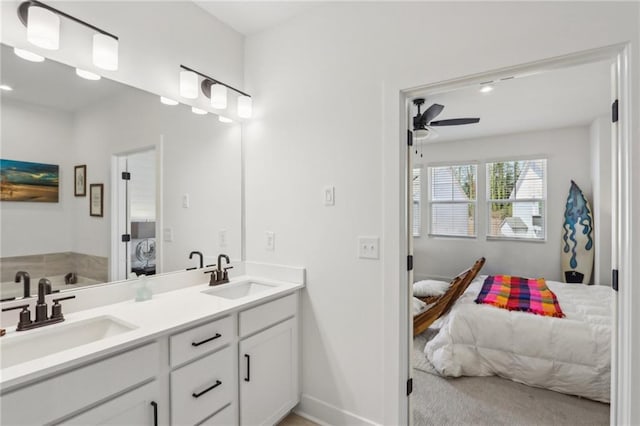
<point x="143" y="292"/>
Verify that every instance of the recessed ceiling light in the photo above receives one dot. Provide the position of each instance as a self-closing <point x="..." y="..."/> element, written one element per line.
<point x="198" y="111"/>
<point x="26" y="55"/>
<point x="224" y="119"/>
<point x="5" y="87"/>
<point x="168" y="101"/>
<point x="87" y="74"/>
<point x="486" y="88"/>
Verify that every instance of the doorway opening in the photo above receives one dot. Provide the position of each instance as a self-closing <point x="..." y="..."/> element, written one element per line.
<point x="498" y="189"/>
<point x="136" y="214"/>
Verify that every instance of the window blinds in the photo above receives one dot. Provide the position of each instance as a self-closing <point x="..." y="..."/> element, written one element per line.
<point x="452" y="200"/>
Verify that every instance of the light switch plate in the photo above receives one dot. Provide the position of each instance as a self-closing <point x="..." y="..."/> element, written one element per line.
<point x="269" y="240"/>
<point x="368" y="247"/>
<point x="186" y="202"/>
<point x="329" y="195"/>
<point x="222" y="238"/>
<point x="167" y="235"/>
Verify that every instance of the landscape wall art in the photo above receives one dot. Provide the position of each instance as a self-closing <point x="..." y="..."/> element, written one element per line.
<point x="25" y="181"/>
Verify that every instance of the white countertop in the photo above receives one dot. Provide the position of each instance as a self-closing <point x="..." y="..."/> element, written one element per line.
<point x="163" y="314"/>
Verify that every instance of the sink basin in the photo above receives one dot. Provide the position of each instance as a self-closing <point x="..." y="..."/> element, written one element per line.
<point x="29" y="345"/>
<point x="237" y="291"/>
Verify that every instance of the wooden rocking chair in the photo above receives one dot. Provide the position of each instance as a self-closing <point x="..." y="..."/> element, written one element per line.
<point x="440" y="305"/>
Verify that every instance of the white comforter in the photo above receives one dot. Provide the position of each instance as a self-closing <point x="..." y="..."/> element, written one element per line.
<point x="569" y="355"/>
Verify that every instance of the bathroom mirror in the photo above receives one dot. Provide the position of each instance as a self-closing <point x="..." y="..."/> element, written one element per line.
<point x="67" y="211"/>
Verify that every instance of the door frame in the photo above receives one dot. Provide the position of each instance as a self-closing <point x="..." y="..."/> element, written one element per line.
<point x="116" y="210"/>
<point x="621" y="350"/>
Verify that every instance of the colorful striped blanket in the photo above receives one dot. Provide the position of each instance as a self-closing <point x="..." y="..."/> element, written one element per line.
<point x="520" y="294"/>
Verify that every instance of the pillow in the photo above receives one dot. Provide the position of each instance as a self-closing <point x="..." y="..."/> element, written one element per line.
<point x="426" y="288"/>
<point x="418" y="306"/>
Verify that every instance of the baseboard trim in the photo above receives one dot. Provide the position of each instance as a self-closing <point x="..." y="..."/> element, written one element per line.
<point x="326" y="414"/>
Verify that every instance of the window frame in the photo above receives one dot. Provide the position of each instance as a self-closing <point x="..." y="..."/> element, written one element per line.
<point x="430" y="201"/>
<point x="544" y="200"/>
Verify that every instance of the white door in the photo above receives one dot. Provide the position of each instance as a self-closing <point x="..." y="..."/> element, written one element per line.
<point x="138" y="407"/>
<point x="268" y="375"/>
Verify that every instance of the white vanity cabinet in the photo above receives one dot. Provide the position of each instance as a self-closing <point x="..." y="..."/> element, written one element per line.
<point x="268" y="361"/>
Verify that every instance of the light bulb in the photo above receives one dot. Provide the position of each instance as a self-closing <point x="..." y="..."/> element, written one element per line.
<point x="88" y="75"/>
<point x="105" y="52"/>
<point x="168" y="101"/>
<point x="198" y="111"/>
<point x="244" y="106"/>
<point x="28" y="56"/>
<point x="43" y="28"/>
<point x="218" y="96"/>
<point x="188" y="84"/>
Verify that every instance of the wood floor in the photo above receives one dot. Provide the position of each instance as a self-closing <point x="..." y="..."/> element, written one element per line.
<point x="295" y="420"/>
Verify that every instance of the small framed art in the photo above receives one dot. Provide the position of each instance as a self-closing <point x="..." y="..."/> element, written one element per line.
<point x="96" y="199"/>
<point x="80" y="174"/>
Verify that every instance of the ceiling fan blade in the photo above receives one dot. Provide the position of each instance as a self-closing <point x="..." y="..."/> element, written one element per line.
<point x="432" y="112"/>
<point x="454" y="122"/>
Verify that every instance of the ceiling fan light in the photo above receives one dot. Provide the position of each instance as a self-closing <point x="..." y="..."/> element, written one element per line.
<point x="43" y="28"/>
<point x="105" y="52"/>
<point x="420" y="134"/>
<point x="27" y="55"/>
<point x="218" y="96"/>
<point x="245" y="107"/>
<point x="188" y="84"/>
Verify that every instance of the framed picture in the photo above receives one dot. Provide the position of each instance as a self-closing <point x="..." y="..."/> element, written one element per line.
<point x="96" y="199"/>
<point x="26" y="181"/>
<point x="80" y="179"/>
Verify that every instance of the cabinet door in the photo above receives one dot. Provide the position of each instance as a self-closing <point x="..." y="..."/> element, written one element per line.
<point x="137" y="407"/>
<point x="268" y="374"/>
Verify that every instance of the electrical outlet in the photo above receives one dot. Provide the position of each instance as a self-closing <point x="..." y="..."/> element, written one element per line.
<point x="368" y="247"/>
<point x="269" y="241"/>
<point x="329" y="195"/>
<point x="186" y="202"/>
<point x="222" y="238"/>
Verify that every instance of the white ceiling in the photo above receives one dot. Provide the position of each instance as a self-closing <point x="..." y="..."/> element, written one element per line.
<point x="558" y="98"/>
<point x="51" y="84"/>
<point x="250" y="17"/>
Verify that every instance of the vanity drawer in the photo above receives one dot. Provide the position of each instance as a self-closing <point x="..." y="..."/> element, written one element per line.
<point x="200" y="340"/>
<point x="201" y="388"/>
<point x="225" y="417"/>
<point x="59" y="396"/>
<point x="263" y="316"/>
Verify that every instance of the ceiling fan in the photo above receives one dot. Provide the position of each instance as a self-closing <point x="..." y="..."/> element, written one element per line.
<point x="423" y="124"/>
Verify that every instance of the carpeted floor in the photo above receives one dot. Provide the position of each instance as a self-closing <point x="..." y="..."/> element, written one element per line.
<point x="492" y="400"/>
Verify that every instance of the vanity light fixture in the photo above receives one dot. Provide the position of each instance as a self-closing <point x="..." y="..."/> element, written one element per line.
<point x="43" y="30"/>
<point x="188" y="84"/>
<point x="27" y="55"/>
<point x="88" y="75"/>
<point x="223" y="119"/>
<point x="168" y="101"/>
<point x="6" y="88"/>
<point x="217" y="92"/>
<point x="198" y="111"/>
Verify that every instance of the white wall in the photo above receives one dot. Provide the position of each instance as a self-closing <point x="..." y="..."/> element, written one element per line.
<point x="327" y="111"/>
<point x="36" y="228"/>
<point x="155" y="39"/>
<point x="600" y="138"/>
<point x="568" y="158"/>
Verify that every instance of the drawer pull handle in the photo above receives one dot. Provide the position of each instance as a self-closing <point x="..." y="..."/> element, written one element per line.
<point x="199" y="394"/>
<point x="155" y="413"/>
<point x="217" y="336"/>
<point x="248" y="378"/>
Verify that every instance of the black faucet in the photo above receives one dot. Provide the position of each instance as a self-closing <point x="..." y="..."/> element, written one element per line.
<point x="44" y="288"/>
<point x="221" y="273"/>
<point x="26" y="280"/>
<point x="198" y="254"/>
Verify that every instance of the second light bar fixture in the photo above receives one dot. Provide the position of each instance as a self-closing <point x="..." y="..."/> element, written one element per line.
<point x="213" y="89"/>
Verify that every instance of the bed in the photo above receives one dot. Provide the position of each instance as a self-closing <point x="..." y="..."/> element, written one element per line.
<point x="569" y="355"/>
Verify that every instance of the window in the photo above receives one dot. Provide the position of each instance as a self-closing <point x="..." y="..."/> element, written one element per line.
<point x="452" y="200"/>
<point x="516" y="196"/>
<point x="416" y="187"/>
